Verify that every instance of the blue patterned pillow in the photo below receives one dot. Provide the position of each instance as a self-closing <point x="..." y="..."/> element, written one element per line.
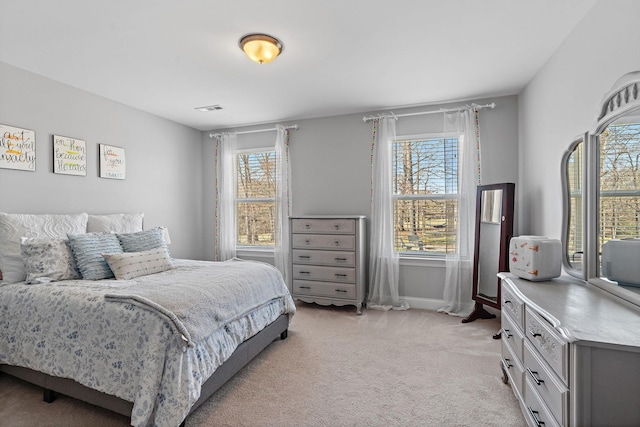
<point x="142" y="240"/>
<point x="87" y="251"/>
<point x="48" y="260"/>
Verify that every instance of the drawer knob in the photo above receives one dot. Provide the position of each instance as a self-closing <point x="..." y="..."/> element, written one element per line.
<point x="337" y="226"/>
<point x="507" y="301"/>
<point x="337" y="242"/>
<point x="535" y="334"/>
<point x="507" y="332"/>
<point x="340" y="275"/>
<point x="341" y="290"/>
<point x="304" y="257"/>
<point x="339" y="259"/>
<point x="307" y="226"/>
<point x="535" y="377"/>
<point x="305" y="272"/>
<point x="305" y="287"/>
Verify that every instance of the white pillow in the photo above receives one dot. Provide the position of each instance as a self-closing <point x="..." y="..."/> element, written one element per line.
<point x="129" y="265"/>
<point x="115" y="223"/>
<point x="15" y="226"/>
<point x="48" y="260"/>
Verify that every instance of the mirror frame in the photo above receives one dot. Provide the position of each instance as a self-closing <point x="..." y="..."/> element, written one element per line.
<point x="621" y="99"/>
<point x="566" y="206"/>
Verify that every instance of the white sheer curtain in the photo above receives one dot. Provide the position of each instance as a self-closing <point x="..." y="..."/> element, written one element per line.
<point x="383" y="259"/>
<point x="225" y="196"/>
<point x="459" y="265"/>
<point x="283" y="177"/>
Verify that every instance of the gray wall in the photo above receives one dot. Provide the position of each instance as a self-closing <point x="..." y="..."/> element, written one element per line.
<point x="331" y="174"/>
<point x="562" y="102"/>
<point x="171" y="168"/>
<point x="163" y="175"/>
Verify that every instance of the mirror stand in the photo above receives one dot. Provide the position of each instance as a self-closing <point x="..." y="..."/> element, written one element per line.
<point x="494" y="228"/>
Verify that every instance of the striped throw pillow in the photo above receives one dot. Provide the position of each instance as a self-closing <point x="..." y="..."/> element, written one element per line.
<point x="142" y="240"/>
<point x="129" y="265"/>
<point x="87" y="251"/>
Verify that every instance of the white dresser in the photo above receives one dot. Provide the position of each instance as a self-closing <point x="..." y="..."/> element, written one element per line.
<point x="571" y="352"/>
<point x="328" y="259"/>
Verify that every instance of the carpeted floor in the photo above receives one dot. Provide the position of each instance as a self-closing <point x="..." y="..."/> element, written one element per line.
<point x="411" y="368"/>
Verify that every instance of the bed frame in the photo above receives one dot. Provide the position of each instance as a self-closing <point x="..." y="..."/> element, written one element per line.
<point x="240" y="358"/>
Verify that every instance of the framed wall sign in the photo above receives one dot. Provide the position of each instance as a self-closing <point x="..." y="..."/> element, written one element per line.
<point x="17" y="148"/>
<point x="112" y="162"/>
<point x="69" y="156"/>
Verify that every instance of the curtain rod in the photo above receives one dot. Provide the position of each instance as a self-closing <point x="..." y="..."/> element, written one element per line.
<point x="442" y="110"/>
<point x="211" y="135"/>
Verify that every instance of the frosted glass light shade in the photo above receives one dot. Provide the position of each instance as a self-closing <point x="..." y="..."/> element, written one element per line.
<point x="261" y="48"/>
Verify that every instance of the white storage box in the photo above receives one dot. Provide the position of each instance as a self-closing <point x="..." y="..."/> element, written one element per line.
<point x="621" y="261"/>
<point x="535" y="257"/>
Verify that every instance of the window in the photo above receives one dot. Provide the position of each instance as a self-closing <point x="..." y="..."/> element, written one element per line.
<point x="425" y="185"/>
<point x="255" y="198"/>
<point x="619" y="182"/>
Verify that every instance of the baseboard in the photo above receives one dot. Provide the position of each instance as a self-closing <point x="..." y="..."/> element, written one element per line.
<point x="424" y="303"/>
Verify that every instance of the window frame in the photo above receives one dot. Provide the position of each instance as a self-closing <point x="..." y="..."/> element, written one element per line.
<point x="424" y="255"/>
<point x="237" y="199"/>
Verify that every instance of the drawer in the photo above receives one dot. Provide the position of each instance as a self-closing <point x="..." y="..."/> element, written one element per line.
<point x="333" y="290"/>
<point x="513" y="368"/>
<point x="319" y="257"/>
<point x="554" y="351"/>
<point x="327" y="274"/>
<point x="537" y="412"/>
<point x="512" y="335"/>
<point x="552" y="391"/>
<point x="316" y="225"/>
<point x="323" y="241"/>
<point x="512" y="304"/>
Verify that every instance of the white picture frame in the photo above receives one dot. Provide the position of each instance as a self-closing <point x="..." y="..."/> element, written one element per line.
<point x="112" y="162"/>
<point x="17" y="148"/>
<point x="69" y="156"/>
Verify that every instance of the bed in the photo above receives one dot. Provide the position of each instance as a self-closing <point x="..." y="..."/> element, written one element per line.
<point x="152" y="343"/>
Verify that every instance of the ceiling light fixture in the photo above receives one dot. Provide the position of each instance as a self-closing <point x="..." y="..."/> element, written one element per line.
<point x="209" y="108"/>
<point x="261" y="48"/>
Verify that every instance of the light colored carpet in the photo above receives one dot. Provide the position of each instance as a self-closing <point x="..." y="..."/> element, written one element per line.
<point x="411" y="368"/>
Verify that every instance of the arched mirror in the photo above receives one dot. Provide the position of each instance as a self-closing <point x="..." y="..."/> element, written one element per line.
<point x="614" y="200"/>
<point x="573" y="180"/>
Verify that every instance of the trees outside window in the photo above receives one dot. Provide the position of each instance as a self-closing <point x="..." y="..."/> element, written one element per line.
<point x="425" y="186"/>
<point x="255" y="198"/>
<point x="620" y="182"/>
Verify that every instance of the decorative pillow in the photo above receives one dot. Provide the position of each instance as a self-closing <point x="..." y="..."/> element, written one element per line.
<point x="48" y="260"/>
<point x="87" y="252"/>
<point x="142" y="240"/>
<point x="15" y="226"/>
<point x="129" y="265"/>
<point x="115" y="223"/>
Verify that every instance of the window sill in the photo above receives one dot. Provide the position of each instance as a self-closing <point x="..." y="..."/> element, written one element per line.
<point x="422" y="261"/>
<point x="255" y="252"/>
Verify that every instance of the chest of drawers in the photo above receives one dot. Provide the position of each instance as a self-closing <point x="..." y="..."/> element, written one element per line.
<point x="571" y="353"/>
<point x="328" y="259"/>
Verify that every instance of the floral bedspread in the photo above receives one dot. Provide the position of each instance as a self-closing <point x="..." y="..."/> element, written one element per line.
<point x="68" y="329"/>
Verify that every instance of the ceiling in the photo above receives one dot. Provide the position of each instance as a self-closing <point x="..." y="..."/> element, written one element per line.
<point x="168" y="57"/>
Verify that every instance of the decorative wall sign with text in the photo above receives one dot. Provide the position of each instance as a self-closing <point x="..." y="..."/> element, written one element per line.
<point x="17" y="148"/>
<point x="69" y="156"/>
<point x="112" y="162"/>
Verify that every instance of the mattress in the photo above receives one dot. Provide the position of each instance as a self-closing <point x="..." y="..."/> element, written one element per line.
<point x="129" y="348"/>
